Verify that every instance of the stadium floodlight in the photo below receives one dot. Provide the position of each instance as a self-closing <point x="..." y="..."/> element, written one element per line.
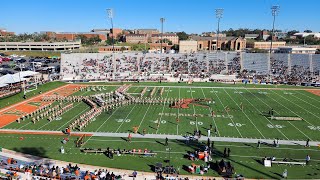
<point x="110" y="16"/>
<point x="275" y="11"/>
<point x="162" y="20"/>
<point x="219" y="14"/>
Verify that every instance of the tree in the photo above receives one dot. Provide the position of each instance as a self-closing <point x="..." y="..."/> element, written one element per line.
<point x="123" y="48"/>
<point x="307" y="31"/>
<point x="182" y="35"/>
<point x="175" y="47"/>
<point x="292" y="32"/>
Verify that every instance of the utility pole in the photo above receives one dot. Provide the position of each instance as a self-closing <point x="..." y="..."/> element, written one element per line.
<point x="110" y="15"/>
<point x="219" y="14"/>
<point x="162" y="20"/>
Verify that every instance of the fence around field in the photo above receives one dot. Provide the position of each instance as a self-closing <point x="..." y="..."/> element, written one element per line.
<point x="102" y="66"/>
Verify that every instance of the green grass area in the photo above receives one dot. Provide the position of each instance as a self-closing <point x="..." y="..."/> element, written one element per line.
<point x="245" y="158"/>
<point x="19" y="97"/>
<point x="251" y="122"/>
<point x="202" y="84"/>
<point x="34" y="53"/>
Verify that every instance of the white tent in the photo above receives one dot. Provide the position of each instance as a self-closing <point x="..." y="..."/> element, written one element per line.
<point x="25" y="73"/>
<point x="10" y="79"/>
<point x="3" y="85"/>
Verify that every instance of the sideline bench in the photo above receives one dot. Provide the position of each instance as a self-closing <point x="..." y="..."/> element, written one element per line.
<point x="290" y="163"/>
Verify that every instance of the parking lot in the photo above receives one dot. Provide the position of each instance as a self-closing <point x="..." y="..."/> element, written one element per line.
<point x="15" y="63"/>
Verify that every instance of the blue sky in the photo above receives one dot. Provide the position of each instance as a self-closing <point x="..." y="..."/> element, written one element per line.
<point x="192" y="16"/>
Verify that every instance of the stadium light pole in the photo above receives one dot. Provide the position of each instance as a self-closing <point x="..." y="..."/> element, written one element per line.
<point x="275" y="11"/>
<point x="219" y="14"/>
<point x="162" y="20"/>
<point x="110" y="15"/>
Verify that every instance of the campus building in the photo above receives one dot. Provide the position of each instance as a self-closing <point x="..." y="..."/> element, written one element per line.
<point x="188" y="46"/>
<point x="5" y="33"/>
<point x="39" y="46"/>
<point x="116" y="49"/>
<point x="224" y="43"/>
<point x="155" y="38"/>
<point x="266" y="45"/>
<point x="137" y="38"/>
<point x="72" y="36"/>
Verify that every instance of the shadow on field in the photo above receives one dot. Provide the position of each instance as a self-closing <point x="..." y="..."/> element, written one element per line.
<point x="29" y="152"/>
<point x="218" y="155"/>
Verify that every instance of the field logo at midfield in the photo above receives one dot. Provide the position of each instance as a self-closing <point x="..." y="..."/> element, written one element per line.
<point x="193" y="115"/>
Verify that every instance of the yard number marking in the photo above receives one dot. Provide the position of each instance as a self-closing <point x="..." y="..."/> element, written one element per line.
<point x="235" y="124"/>
<point x="194" y="123"/>
<point x="314" y="128"/>
<point x="275" y="126"/>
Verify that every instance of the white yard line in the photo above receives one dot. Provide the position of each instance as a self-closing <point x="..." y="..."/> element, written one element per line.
<point x="228" y="113"/>
<point x="214" y="122"/>
<point x="26" y="101"/>
<point x="194" y="111"/>
<point x="61" y="115"/>
<point x="245" y="114"/>
<point x="289" y="121"/>
<point x="164" y="104"/>
<point x="126" y="118"/>
<point x="307" y="95"/>
<point x="24" y="125"/>
<point x="73" y="118"/>
<point x="261" y="112"/>
<point x="299" y="107"/>
<point x="305" y="101"/>
<point x="144" y="116"/>
<point x="276" y="111"/>
<point x="100" y="126"/>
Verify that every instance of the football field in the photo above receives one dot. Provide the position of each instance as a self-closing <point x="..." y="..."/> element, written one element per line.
<point x="243" y="112"/>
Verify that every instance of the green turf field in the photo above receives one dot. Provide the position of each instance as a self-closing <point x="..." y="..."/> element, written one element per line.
<point x="246" y="158"/>
<point x="251" y="122"/>
<point x="19" y="97"/>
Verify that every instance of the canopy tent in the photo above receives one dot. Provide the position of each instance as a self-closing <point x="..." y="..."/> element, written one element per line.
<point x="10" y="79"/>
<point x="3" y="85"/>
<point x="25" y="73"/>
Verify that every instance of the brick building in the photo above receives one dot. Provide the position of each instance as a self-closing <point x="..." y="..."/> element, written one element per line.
<point x="137" y="38"/>
<point x="224" y="43"/>
<point x="5" y="33"/>
<point x="155" y="38"/>
<point x="266" y="45"/>
<point x="72" y="36"/>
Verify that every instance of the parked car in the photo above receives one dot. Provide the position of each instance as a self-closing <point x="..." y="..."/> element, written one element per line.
<point x="2" y="54"/>
<point x="4" y="72"/>
<point x="21" y="61"/>
<point x="6" y="59"/>
<point x="5" y="66"/>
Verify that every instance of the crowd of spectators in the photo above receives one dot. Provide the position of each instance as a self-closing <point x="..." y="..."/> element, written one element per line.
<point x="138" y="66"/>
<point x="35" y="170"/>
